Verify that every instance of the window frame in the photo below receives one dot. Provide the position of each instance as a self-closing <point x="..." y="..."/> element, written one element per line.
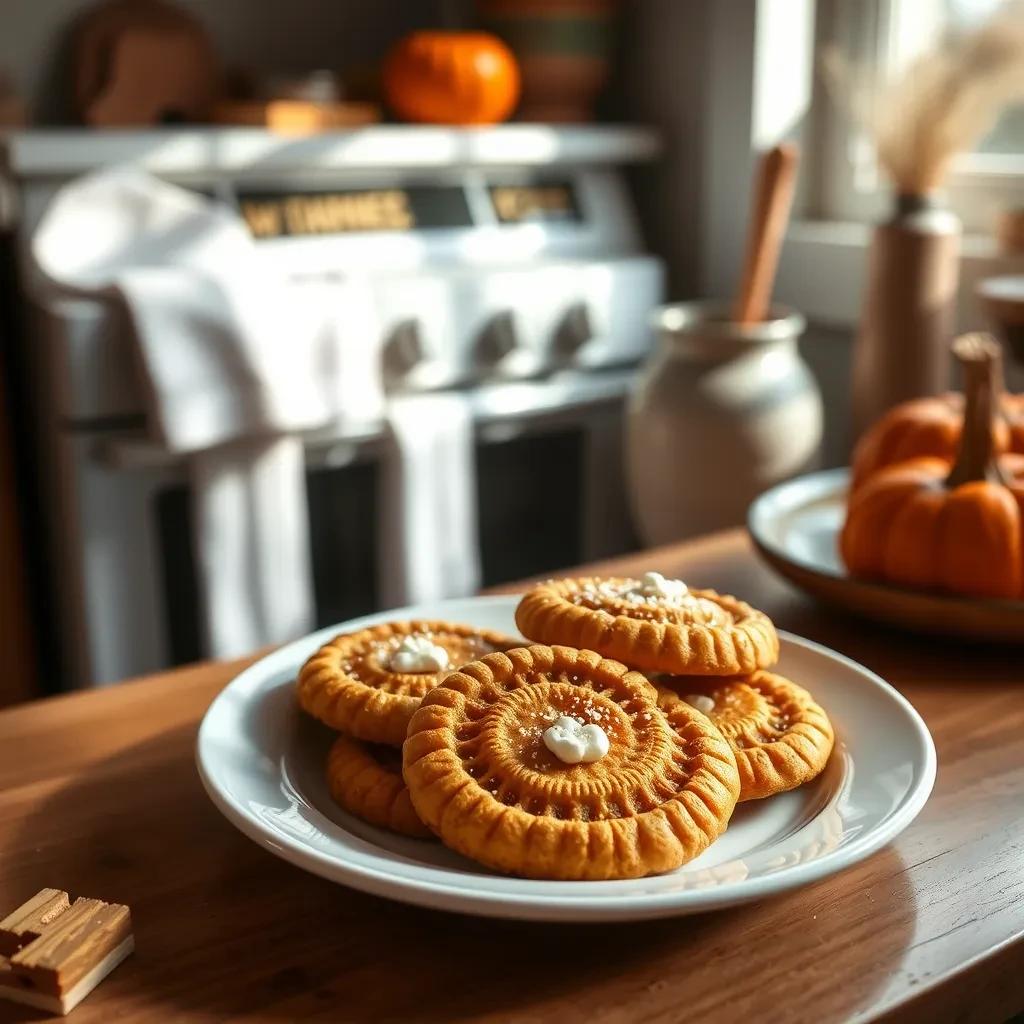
<point x="850" y="185"/>
<point x="823" y="264"/>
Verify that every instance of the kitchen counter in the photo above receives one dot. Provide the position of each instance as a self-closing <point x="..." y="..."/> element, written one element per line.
<point x="99" y="796"/>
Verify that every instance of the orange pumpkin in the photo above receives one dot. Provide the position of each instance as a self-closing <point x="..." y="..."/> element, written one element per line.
<point x="451" y="78"/>
<point x="930" y="426"/>
<point x="935" y="524"/>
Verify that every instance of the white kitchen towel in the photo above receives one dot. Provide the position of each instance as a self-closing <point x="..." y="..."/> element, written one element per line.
<point x="351" y="362"/>
<point x="430" y="546"/>
<point x="229" y="348"/>
<point x="230" y="352"/>
<point x="254" y="580"/>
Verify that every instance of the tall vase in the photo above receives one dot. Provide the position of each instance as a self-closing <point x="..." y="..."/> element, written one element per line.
<point x="908" y="320"/>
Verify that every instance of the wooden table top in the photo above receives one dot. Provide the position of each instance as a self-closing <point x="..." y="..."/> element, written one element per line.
<point x="99" y="796"/>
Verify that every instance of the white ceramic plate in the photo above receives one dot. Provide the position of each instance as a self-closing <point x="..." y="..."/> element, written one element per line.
<point x="796" y="528"/>
<point x="262" y="761"/>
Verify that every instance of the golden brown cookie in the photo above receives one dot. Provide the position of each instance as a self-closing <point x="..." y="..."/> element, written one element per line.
<point x="366" y="780"/>
<point x="354" y="685"/>
<point x="506" y="763"/>
<point x="654" y="624"/>
<point x="781" y="737"/>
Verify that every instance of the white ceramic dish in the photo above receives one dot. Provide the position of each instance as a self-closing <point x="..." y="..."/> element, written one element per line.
<point x="261" y="760"/>
<point x="796" y="525"/>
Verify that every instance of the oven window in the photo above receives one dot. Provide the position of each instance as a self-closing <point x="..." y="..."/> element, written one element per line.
<point x="181" y="592"/>
<point x="343" y="537"/>
<point x="530" y="494"/>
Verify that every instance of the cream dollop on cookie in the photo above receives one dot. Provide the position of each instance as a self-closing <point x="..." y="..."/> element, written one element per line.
<point x="572" y="742"/>
<point x="654" y="585"/>
<point x="417" y="653"/>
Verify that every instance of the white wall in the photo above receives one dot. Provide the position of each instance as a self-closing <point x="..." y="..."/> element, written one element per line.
<point x="661" y="79"/>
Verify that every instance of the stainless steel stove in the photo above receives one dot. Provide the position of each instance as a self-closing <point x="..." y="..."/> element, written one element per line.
<point x="505" y="263"/>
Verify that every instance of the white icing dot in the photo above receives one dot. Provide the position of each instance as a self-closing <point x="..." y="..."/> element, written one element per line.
<point x="418" y="654"/>
<point x="572" y="742"/>
<point x="653" y="584"/>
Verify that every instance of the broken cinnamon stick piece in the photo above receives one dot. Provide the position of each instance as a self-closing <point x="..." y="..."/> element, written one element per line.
<point x="30" y="919"/>
<point x="66" y="949"/>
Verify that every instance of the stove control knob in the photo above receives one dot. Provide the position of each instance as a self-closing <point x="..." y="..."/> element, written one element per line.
<point x="502" y="350"/>
<point x="408" y="358"/>
<point x="576" y="330"/>
<point x="499" y="338"/>
<point x="582" y="339"/>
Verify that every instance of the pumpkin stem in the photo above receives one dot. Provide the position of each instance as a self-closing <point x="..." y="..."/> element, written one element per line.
<point x="980" y="358"/>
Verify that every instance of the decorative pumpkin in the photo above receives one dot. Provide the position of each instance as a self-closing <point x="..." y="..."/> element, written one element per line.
<point x="451" y="78"/>
<point x="930" y="426"/>
<point x="935" y="524"/>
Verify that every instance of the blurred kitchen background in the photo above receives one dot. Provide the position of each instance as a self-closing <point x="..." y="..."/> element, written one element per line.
<point x="457" y="314"/>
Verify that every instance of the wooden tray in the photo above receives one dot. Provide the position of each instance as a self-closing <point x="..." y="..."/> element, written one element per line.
<point x="795" y="527"/>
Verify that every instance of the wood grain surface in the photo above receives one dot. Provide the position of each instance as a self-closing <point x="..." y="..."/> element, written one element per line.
<point x="98" y="795"/>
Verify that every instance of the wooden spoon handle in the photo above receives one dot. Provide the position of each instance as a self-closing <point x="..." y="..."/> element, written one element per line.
<point x="773" y="198"/>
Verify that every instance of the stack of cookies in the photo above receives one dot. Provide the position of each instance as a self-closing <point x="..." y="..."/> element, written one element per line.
<point x="616" y="746"/>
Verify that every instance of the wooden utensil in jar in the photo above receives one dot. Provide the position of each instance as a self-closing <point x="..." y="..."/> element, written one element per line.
<point x="769" y="216"/>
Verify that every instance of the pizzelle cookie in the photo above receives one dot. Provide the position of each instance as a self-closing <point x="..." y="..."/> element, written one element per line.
<point x="366" y="780"/>
<point x="653" y="623"/>
<point x="368" y="684"/>
<point x="780" y="735"/>
<point x="551" y="762"/>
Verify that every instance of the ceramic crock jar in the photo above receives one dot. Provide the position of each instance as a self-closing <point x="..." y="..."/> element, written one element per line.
<point x="721" y="412"/>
